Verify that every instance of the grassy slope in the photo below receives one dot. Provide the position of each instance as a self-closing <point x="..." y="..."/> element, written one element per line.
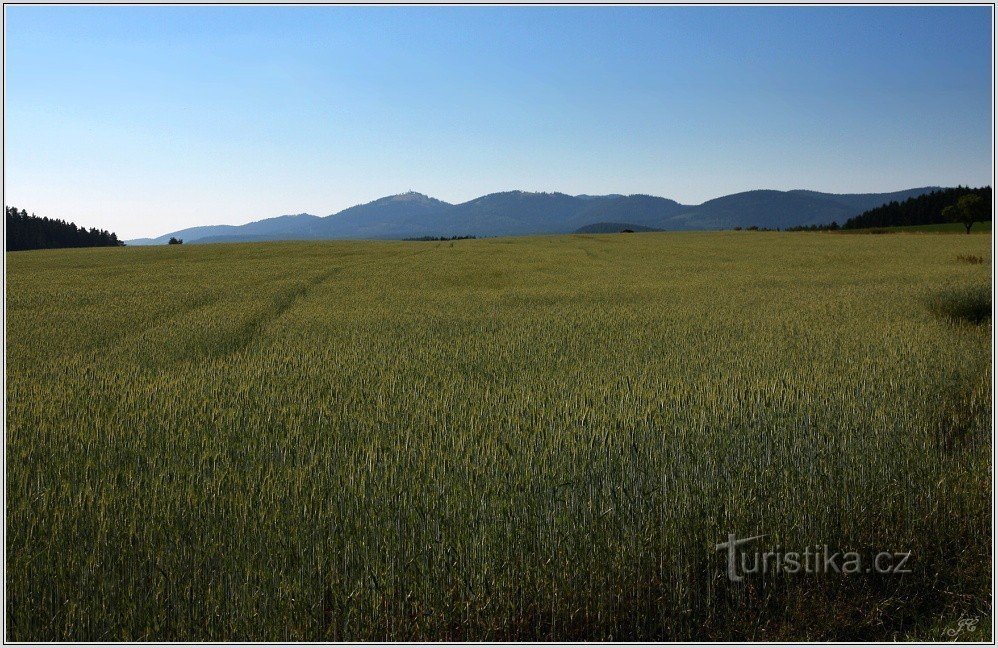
<point x="493" y="439"/>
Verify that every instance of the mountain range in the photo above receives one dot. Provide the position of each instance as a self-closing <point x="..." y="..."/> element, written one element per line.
<point x="518" y="213"/>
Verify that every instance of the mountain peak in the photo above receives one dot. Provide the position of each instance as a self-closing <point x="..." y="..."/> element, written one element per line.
<point x="410" y="196"/>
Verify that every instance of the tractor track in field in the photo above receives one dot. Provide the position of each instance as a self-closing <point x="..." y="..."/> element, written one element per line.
<point x="284" y="301"/>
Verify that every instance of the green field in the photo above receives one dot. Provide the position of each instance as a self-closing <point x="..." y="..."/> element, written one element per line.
<point x="536" y="438"/>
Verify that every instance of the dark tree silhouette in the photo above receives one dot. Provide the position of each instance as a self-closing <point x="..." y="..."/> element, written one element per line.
<point x="440" y="238"/>
<point x="26" y="232"/>
<point x="968" y="210"/>
<point x="175" y="241"/>
<point x="926" y="209"/>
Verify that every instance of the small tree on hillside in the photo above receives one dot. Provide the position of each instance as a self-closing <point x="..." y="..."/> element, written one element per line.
<point x="968" y="210"/>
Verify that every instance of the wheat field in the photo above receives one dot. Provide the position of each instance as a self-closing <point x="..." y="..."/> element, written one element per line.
<point x="506" y="439"/>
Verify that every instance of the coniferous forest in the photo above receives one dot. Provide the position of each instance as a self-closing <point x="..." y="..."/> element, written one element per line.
<point x="30" y="232"/>
<point x="926" y="209"/>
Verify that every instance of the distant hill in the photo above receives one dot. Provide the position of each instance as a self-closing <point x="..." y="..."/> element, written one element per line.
<point x="613" y="228"/>
<point x="781" y="209"/>
<point x="863" y="201"/>
<point x="269" y="229"/>
<point x="26" y="232"/>
<point x="765" y="208"/>
<point x="641" y="210"/>
<point x="926" y="209"/>
<point x="389" y="217"/>
<point x="516" y="213"/>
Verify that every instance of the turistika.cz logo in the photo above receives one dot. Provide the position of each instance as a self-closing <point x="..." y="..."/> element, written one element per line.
<point x="814" y="559"/>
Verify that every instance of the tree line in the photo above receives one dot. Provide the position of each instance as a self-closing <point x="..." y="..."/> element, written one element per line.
<point x="926" y="209"/>
<point x="26" y="232"/>
<point x="954" y="205"/>
<point x="439" y="238"/>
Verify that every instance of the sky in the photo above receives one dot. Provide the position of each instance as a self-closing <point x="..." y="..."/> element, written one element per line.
<point x="144" y="120"/>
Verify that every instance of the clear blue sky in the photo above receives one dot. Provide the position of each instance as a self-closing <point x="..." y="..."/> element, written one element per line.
<point x="148" y="119"/>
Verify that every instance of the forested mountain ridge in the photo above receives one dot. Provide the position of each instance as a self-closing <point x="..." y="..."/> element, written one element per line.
<point x="519" y="213"/>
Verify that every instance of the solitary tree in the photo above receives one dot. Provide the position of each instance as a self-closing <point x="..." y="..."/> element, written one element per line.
<point x="175" y="241"/>
<point x="968" y="210"/>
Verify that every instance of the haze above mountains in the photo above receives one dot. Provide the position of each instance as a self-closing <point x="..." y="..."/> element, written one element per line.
<point x="519" y="213"/>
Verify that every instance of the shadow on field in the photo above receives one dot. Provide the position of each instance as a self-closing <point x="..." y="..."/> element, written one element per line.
<point x="968" y="304"/>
